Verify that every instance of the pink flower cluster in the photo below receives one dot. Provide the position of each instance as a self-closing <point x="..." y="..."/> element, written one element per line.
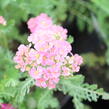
<point x="48" y="59"/>
<point x="2" y="20"/>
<point x="6" y="106"/>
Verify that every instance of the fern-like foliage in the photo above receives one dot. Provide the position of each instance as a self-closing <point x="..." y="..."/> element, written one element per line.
<point x="75" y="87"/>
<point x="23" y="88"/>
<point x="81" y="10"/>
<point x="45" y="99"/>
<point x="40" y="99"/>
<point x="11" y="88"/>
<point x="7" y="73"/>
<point x="15" y="90"/>
<point x="102" y="21"/>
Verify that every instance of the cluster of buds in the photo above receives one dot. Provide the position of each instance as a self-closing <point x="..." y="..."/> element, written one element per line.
<point x="46" y="57"/>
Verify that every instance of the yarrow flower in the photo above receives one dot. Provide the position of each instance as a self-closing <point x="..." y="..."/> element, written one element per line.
<point x="47" y="60"/>
<point x="2" y="20"/>
<point x="6" y="106"/>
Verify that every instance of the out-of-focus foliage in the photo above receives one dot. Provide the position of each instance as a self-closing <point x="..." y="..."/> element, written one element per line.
<point x="75" y="86"/>
<point x="81" y="10"/>
<point x="40" y="99"/>
<point x="7" y="73"/>
<point x="94" y="60"/>
<point x="7" y="65"/>
<point x="102" y="20"/>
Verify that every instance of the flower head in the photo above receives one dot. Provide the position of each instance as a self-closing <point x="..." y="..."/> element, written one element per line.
<point x="48" y="59"/>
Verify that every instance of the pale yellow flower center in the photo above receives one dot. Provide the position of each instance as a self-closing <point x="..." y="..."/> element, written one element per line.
<point x="37" y="56"/>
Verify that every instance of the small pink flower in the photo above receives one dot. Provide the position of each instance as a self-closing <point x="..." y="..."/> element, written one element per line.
<point x="41" y="83"/>
<point x="22" y="49"/>
<point x="33" y="54"/>
<point x="43" y="46"/>
<point x="78" y="59"/>
<point x="54" y="71"/>
<point x="42" y="21"/>
<point x="75" y="68"/>
<point x="74" y="62"/>
<point x="36" y="72"/>
<point x="61" y="47"/>
<point x="66" y="71"/>
<point x="58" y="32"/>
<point x="2" y="20"/>
<point x="52" y="83"/>
<point x="22" y="57"/>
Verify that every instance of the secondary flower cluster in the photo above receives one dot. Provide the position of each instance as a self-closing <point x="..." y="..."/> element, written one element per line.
<point x="2" y="20"/>
<point x="6" y="106"/>
<point x="48" y="59"/>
